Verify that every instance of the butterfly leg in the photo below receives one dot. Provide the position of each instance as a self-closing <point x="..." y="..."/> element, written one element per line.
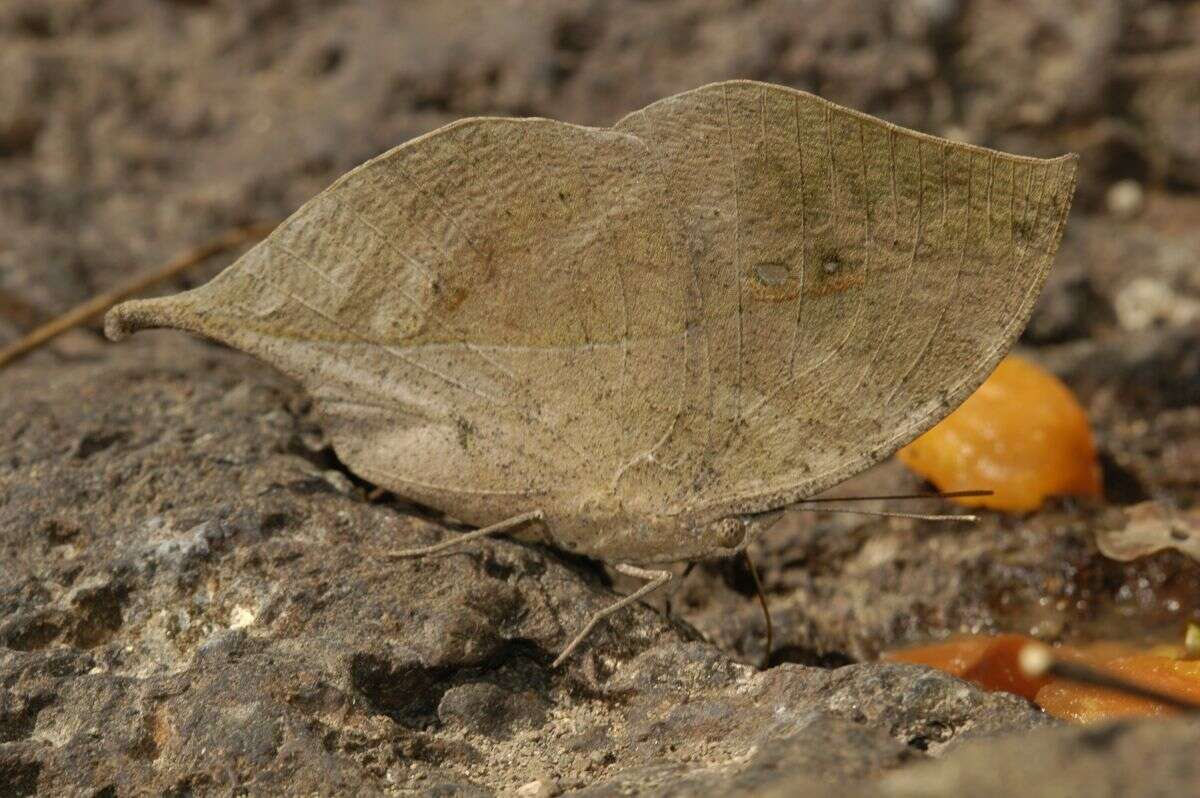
<point x="454" y="541"/>
<point x="654" y="580"/>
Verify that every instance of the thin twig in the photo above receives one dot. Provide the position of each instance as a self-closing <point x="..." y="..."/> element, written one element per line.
<point x="97" y="305"/>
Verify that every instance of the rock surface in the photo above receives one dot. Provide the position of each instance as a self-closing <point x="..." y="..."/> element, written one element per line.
<point x="195" y="597"/>
<point x="245" y="629"/>
<point x="1149" y="758"/>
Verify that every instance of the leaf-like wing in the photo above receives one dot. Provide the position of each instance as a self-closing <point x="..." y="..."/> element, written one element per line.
<point x="734" y="299"/>
<point x="856" y="280"/>
<point x="491" y="317"/>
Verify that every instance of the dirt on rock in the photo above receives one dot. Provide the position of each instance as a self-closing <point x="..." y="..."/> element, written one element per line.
<point x="195" y="597"/>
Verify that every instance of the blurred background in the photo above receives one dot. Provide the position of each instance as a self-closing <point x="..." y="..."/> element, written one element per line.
<point x="134" y="130"/>
<point x="131" y="129"/>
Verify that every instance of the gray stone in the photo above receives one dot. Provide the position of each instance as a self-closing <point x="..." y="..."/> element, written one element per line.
<point x="1153" y="758"/>
<point x="236" y="632"/>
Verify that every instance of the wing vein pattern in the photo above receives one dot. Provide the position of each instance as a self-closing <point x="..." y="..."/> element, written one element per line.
<point x="850" y="326"/>
<point x="730" y="300"/>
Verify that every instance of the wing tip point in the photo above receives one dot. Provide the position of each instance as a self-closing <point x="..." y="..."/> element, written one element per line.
<point x="118" y="324"/>
<point x="128" y="317"/>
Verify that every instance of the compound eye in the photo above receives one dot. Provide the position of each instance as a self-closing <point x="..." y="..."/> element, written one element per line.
<point x="730" y="532"/>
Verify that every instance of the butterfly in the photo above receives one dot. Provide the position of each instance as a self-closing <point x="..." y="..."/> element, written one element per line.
<point x="641" y="343"/>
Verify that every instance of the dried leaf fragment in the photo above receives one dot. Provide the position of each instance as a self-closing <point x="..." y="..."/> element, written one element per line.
<point x="1150" y="527"/>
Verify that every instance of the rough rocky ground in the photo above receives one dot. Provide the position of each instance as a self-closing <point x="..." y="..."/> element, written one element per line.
<point x="193" y="594"/>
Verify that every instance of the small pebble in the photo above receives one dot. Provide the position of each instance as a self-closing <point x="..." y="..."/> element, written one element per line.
<point x="1146" y="302"/>
<point x="539" y="788"/>
<point x="339" y="482"/>
<point x="1125" y="199"/>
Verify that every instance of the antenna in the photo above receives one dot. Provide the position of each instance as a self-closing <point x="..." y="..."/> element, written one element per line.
<point x="889" y="514"/>
<point x="954" y="494"/>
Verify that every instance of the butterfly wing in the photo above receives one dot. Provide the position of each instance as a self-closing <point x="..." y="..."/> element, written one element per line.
<point x="735" y="298"/>
<point x="856" y="280"/>
<point x="490" y="317"/>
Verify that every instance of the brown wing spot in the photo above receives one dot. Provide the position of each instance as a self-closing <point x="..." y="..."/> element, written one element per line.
<point x="454" y="297"/>
<point x="773" y="281"/>
<point x="835" y="285"/>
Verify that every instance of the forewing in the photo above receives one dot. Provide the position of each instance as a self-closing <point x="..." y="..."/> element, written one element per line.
<point x="856" y="280"/>
<point x="491" y="317"/>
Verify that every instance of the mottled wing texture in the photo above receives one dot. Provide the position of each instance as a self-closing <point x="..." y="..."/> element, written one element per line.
<point x="855" y="280"/>
<point x="734" y="299"/>
<point x="491" y="317"/>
